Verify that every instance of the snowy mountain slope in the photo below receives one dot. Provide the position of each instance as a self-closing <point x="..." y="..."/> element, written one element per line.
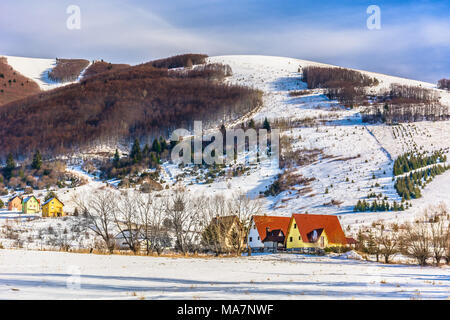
<point x="356" y="159"/>
<point x="37" y="70"/>
<point x="365" y="152"/>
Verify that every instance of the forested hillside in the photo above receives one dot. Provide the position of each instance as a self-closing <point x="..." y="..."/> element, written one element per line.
<point x="102" y="66"/>
<point x="67" y="69"/>
<point x="13" y="85"/>
<point x="140" y="101"/>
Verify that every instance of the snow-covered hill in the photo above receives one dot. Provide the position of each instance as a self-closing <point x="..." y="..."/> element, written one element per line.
<point x="37" y="70"/>
<point x="357" y="158"/>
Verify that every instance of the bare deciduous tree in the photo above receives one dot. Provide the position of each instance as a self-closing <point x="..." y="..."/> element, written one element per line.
<point x="184" y="215"/>
<point x="389" y="244"/>
<point x="126" y="220"/>
<point x="99" y="208"/>
<point x="152" y="218"/>
<point x="416" y="242"/>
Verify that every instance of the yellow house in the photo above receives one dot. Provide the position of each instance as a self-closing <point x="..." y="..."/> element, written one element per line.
<point x="31" y="205"/>
<point x="53" y="207"/>
<point x="314" y="231"/>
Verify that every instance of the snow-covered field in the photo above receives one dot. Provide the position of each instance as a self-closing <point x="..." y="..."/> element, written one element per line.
<point x="53" y="275"/>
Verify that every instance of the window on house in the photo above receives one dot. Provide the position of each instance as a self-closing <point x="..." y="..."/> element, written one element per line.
<point x="295" y="226"/>
<point x="250" y="239"/>
<point x="299" y="238"/>
<point x="290" y="239"/>
<point x="258" y="238"/>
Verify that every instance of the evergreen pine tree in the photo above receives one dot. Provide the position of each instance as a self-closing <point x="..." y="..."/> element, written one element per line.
<point x="266" y="125"/>
<point x="116" y="159"/>
<point x="37" y="161"/>
<point x="136" y="153"/>
<point x="146" y="151"/>
<point x="10" y="166"/>
<point x="156" y="147"/>
<point x="163" y="144"/>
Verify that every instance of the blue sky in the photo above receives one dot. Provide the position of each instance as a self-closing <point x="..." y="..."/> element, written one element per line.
<point x="414" y="40"/>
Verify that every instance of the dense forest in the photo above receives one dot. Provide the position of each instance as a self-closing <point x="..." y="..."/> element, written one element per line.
<point x="67" y="70"/>
<point x="135" y="102"/>
<point x="13" y="85"/>
<point x="345" y="85"/>
<point x="212" y="71"/>
<point x="101" y="66"/>
<point x="406" y="104"/>
<point x="183" y="60"/>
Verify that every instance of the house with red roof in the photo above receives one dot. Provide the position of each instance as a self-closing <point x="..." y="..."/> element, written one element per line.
<point x="267" y="232"/>
<point x="314" y="231"/>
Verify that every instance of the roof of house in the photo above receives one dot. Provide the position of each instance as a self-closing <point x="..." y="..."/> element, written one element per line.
<point x="274" y="236"/>
<point x="269" y="223"/>
<point x="351" y="241"/>
<point x="11" y="199"/>
<point x="28" y="198"/>
<point x="307" y="223"/>
<point x="51" y="200"/>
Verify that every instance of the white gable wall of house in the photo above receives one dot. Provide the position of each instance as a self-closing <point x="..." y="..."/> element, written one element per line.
<point x="254" y="239"/>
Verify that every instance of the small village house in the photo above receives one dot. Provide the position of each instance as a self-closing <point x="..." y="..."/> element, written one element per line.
<point x="223" y="234"/>
<point x="267" y="232"/>
<point x="53" y="207"/>
<point x="31" y="205"/>
<point x="314" y="231"/>
<point x="351" y="242"/>
<point x="15" y="204"/>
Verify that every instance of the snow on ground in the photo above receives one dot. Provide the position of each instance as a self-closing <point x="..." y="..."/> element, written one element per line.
<point x="54" y="275"/>
<point x="37" y="70"/>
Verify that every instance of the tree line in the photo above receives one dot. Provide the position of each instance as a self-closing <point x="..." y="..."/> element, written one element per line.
<point x="173" y="221"/>
<point x="408" y="186"/>
<point x="182" y="60"/>
<point x="406" y="104"/>
<point x="377" y="206"/>
<point x="347" y="86"/>
<point x="67" y="70"/>
<point x="412" y="161"/>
